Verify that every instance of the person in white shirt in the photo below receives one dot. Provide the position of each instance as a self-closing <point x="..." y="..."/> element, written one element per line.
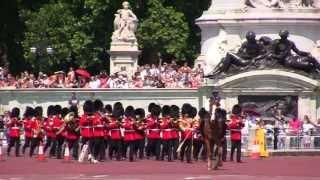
<point x="307" y="129"/>
<point x="112" y="81"/>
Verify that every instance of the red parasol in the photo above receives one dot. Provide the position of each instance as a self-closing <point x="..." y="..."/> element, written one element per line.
<point x="83" y="73"/>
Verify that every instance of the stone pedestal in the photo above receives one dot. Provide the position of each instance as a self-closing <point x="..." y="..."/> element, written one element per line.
<point x="124" y="58"/>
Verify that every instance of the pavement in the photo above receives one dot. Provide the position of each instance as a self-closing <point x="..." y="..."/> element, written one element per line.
<point x="273" y="168"/>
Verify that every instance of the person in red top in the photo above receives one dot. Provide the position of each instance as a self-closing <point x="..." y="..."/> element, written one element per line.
<point x="37" y="131"/>
<point x="185" y="125"/>
<point x="175" y="116"/>
<point x="98" y="132"/>
<point x="153" y="132"/>
<point x="235" y="126"/>
<point x="14" y="125"/>
<point x="129" y="132"/>
<point x="166" y="133"/>
<point x="73" y="131"/>
<point x="114" y="131"/>
<point x="86" y="127"/>
<point x="27" y="129"/>
<point x="140" y="127"/>
<point x="48" y="125"/>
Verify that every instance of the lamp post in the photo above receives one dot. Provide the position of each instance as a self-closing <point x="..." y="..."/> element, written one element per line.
<point x="40" y="52"/>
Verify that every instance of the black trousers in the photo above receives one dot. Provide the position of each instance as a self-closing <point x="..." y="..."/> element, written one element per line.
<point x="153" y="148"/>
<point x="73" y="145"/>
<point x="115" y="146"/>
<point x="236" y="145"/>
<point x="59" y="141"/>
<point x="14" y="141"/>
<point x="175" y="147"/>
<point x="186" y="150"/>
<point x="224" y="150"/>
<point x="98" y="146"/>
<point x="102" y="153"/>
<point x="275" y="138"/>
<point x="27" y="142"/>
<point x="131" y="146"/>
<point x="35" y="142"/>
<point x="140" y="148"/>
<point x="197" y="144"/>
<point x="51" y="142"/>
<point x="90" y="143"/>
<point x="167" y="148"/>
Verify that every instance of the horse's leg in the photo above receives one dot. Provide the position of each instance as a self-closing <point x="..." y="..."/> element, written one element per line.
<point x="218" y="156"/>
<point x="207" y="143"/>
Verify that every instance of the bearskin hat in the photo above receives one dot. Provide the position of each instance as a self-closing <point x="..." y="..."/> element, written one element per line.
<point x="129" y="112"/>
<point x="74" y="109"/>
<point x="236" y="110"/>
<point x="165" y="110"/>
<point x="29" y="112"/>
<point x="98" y="105"/>
<point x="174" y="111"/>
<point x="156" y="110"/>
<point x="15" y="112"/>
<point x="88" y="107"/>
<point x="108" y="108"/>
<point x="150" y="106"/>
<point x="186" y="108"/>
<point x="118" y="110"/>
<point x="38" y="111"/>
<point x="192" y="112"/>
<point x="64" y="111"/>
<point x="50" y="110"/>
<point x="57" y="109"/>
<point x="140" y="113"/>
<point x="202" y="113"/>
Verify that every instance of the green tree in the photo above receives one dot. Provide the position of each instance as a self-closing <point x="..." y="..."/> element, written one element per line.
<point x="164" y="30"/>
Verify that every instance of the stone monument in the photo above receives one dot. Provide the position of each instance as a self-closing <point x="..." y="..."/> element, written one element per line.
<point x="124" y="50"/>
<point x="261" y="73"/>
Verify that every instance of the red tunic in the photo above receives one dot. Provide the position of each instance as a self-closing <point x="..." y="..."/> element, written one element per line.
<point x="153" y="131"/>
<point x="71" y="132"/>
<point x="114" y="129"/>
<point x="14" y="127"/>
<point x="129" y="133"/>
<point x="235" y="127"/>
<point x="196" y="127"/>
<point x="57" y="125"/>
<point x="139" y="133"/>
<point x="175" y="132"/>
<point x="98" y="126"/>
<point x="185" y="126"/>
<point x="27" y="128"/>
<point x="48" y="126"/>
<point x="166" y="128"/>
<point x="36" y="128"/>
<point x="86" y="127"/>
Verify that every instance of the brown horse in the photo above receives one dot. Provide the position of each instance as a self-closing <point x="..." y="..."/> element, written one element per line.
<point x="213" y="133"/>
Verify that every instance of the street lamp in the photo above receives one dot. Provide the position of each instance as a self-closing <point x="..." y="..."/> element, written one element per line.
<point x="41" y="52"/>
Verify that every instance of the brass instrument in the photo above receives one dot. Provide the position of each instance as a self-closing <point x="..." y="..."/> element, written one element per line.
<point x="69" y="118"/>
<point x="39" y="130"/>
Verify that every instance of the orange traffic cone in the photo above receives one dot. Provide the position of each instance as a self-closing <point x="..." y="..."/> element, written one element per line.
<point x="41" y="156"/>
<point x="66" y="157"/>
<point x="255" y="153"/>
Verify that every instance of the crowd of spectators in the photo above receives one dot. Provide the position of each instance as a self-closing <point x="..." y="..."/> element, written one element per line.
<point x="146" y="76"/>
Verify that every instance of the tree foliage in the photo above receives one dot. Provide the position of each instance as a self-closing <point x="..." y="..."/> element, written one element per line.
<point x="80" y="31"/>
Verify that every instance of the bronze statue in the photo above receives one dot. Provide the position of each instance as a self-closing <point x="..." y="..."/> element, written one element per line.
<point x="281" y="52"/>
<point x="249" y="52"/>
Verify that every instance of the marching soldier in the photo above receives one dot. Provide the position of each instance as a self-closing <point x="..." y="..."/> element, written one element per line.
<point x="37" y="129"/>
<point x="114" y="131"/>
<point x="140" y="127"/>
<point x="86" y="130"/>
<point x="175" y="116"/>
<point x="235" y="126"/>
<point x="185" y="125"/>
<point x="166" y="132"/>
<point x="14" y="125"/>
<point x="27" y="129"/>
<point x="59" y="127"/>
<point x="129" y="131"/>
<point x="73" y="131"/>
<point x="98" y="132"/>
<point x="48" y="125"/>
<point x="153" y="132"/>
<point x="197" y="141"/>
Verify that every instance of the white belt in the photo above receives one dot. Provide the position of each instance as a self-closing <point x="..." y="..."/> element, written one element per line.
<point x="86" y="127"/>
<point x="129" y="130"/>
<point x="114" y="129"/>
<point x="154" y="129"/>
<point x="167" y="129"/>
<point x="99" y="126"/>
<point x="15" y="128"/>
